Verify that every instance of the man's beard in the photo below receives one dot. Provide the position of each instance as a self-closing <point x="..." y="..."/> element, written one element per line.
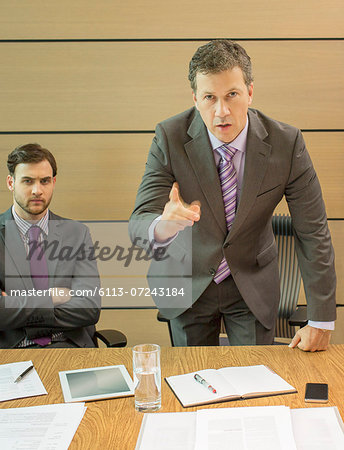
<point x="32" y="212"/>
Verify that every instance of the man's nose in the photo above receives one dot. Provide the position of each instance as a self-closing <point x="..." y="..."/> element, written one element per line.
<point x="222" y="109"/>
<point x="37" y="189"/>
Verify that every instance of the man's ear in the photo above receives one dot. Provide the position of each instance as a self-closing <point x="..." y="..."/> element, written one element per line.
<point x="250" y="94"/>
<point x="10" y="182"/>
<point x="194" y="99"/>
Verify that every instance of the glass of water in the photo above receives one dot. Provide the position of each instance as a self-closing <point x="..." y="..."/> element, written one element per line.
<point x="147" y="377"/>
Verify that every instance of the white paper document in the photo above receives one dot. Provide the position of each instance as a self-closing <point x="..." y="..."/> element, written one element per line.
<point x="251" y="428"/>
<point x="40" y="427"/>
<point x="30" y="386"/>
<point x="318" y="428"/>
<point x="244" y="428"/>
<point x="173" y="431"/>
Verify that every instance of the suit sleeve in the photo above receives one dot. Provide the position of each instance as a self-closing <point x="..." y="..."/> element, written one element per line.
<point x="83" y="308"/>
<point x="312" y="236"/>
<point x="153" y="192"/>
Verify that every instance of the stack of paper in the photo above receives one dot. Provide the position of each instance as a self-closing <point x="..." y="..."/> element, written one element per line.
<point x="50" y="426"/>
<point x="250" y="428"/>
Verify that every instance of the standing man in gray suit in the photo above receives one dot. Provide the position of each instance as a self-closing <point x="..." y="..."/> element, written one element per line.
<point x="49" y="283"/>
<point x="222" y="168"/>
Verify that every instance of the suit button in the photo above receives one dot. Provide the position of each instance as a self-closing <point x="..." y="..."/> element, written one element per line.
<point x="226" y="245"/>
<point x="212" y="272"/>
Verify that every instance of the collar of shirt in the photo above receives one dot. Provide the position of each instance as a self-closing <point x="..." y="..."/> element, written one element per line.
<point x="238" y="159"/>
<point x="24" y="225"/>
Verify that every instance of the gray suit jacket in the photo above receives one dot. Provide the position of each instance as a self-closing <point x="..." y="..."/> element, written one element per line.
<point x="276" y="164"/>
<point x="22" y="313"/>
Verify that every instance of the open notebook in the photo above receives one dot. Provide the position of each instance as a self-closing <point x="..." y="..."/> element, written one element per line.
<point x="230" y="383"/>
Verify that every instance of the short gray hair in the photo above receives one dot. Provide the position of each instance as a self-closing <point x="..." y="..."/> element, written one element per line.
<point x="217" y="56"/>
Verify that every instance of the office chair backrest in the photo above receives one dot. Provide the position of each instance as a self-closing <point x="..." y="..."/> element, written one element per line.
<point x="289" y="272"/>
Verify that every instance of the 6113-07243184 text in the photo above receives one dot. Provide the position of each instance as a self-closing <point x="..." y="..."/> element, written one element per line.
<point x="104" y="292"/>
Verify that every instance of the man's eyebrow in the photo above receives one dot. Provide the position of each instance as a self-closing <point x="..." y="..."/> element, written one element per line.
<point x="26" y="177"/>
<point x="234" y="88"/>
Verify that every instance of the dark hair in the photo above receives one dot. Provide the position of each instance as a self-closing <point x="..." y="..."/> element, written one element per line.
<point x="217" y="56"/>
<point x="30" y="153"/>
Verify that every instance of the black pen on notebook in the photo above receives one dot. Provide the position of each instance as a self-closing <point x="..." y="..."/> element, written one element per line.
<point x="205" y="383"/>
<point x="22" y="375"/>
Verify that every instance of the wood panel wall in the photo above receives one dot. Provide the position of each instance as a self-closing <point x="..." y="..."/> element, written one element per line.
<point x="90" y="80"/>
<point x="84" y="86"/>
<point x="154" y="19"/>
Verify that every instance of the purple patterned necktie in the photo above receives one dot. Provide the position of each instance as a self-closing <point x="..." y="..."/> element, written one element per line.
<point x="38" y="263"/>
<point x="228" y="181"/>
<point x="38" y="269"/>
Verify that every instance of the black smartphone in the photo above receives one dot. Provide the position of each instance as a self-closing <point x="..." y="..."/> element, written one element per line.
<point x="316" y="392"/>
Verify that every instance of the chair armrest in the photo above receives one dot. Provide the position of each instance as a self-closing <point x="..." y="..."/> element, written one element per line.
<point x="112" y="338"/>
<point x="299" y="317"/>
<point x="161" y="318"/>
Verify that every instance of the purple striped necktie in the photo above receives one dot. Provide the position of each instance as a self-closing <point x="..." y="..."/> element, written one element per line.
<point x="38" y="262"/>
<point x="228" y="181"/>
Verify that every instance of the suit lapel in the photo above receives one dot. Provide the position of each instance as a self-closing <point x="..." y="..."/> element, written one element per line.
<point x="256" y="162"/>
<point x="16" y="263"/>
<point x="201" y="158"/>
<point x="2" y="256"/>
<point x="15" y="250"/>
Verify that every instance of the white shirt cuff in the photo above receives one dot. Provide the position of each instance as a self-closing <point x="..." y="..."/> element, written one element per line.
<point x="151" y="238"/>
<point x="322" y="325"/>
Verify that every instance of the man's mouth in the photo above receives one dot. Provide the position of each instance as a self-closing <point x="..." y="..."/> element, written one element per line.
<point x="223" y="126"/>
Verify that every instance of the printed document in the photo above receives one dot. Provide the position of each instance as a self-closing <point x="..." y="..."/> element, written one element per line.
<point x="40" y="427"/>
<point x="318" y="428"/>
<point x="175" y="430"/>
<point x="250" y="428"/>
<point x="244" y="428"/>
<point x="30" y="386"/>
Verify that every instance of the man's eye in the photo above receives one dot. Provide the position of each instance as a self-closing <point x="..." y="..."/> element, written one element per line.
<point x="233" y="94"/>
<point x="27" y="181"/>
<point x="209" y="97"/>
<point x="45" y="181"/>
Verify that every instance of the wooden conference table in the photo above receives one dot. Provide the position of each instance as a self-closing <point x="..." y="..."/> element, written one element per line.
<point x="114" y="423"/>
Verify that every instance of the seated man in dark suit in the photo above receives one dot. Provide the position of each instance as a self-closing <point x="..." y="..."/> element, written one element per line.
<point x="48" y="276"/>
